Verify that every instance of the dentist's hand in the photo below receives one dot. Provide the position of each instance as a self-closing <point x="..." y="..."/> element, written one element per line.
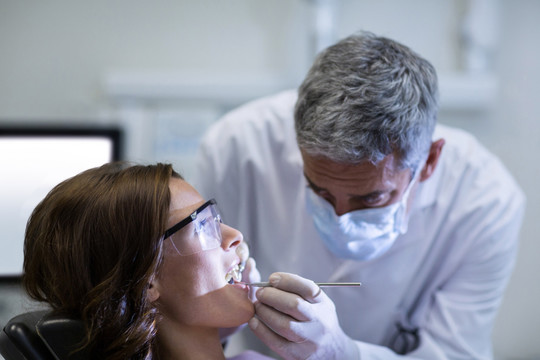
<point x="297" y="320"/>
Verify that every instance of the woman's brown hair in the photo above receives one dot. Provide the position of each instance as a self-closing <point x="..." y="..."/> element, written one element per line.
<point x="92" y="247"/>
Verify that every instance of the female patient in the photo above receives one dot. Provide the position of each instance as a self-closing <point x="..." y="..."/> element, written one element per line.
<point x="142" y="259"/>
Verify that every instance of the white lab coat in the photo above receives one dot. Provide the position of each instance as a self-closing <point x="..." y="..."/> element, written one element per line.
<point x="445" y="276"/>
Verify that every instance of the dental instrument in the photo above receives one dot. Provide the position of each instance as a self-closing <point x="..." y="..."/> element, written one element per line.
<point x="320" y="284"/>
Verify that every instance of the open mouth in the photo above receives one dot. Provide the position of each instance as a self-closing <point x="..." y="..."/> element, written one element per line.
<point x="235" y="274"/>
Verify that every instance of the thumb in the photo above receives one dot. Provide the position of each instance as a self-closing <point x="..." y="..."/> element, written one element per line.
<point x="251" y="273"/>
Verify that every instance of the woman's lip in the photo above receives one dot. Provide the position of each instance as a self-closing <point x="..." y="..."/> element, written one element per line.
<point x="241" y="286"/>
<point x="233" y="265"/>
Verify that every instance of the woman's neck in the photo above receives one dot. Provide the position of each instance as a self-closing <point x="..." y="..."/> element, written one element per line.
<point x="180" y="342"/>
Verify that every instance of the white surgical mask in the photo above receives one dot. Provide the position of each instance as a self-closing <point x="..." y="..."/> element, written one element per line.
<point x="360" y="234"/>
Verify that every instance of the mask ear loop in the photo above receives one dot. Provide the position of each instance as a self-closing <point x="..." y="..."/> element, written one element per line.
<point x="416" y="176"/>
<point x="405" y="198"/>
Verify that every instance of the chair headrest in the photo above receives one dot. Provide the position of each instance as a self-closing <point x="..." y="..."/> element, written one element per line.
<point x="62" y="335"/>
<point x="19" y="339"/>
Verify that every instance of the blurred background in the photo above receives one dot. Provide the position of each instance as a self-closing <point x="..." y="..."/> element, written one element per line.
<point x="163" y="71"/>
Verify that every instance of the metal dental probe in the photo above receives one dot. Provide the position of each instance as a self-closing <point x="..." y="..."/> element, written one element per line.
<point x="321" y="284"/>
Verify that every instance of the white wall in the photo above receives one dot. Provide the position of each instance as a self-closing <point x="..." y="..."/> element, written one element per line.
<point x="516" y="139"/>
<point x="56" y="55"/>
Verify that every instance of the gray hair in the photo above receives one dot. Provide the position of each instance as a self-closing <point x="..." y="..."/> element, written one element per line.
<point x="365" y="98"/>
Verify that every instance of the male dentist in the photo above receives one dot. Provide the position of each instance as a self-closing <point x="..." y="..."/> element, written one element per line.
<point x="350" y="179"/>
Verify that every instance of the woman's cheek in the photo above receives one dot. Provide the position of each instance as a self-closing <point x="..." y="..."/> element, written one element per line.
<point x="205" y="274"/>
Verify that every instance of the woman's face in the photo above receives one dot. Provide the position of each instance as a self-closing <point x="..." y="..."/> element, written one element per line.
<point x="194" y="289"/>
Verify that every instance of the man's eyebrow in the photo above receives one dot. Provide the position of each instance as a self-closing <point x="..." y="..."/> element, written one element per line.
<point x="356" y="196"/>
<point x="312" y="185"/>
<point x="371" y="194"/>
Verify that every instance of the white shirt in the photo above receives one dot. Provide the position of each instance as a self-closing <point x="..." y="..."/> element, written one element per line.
<point x="445" y="276"/>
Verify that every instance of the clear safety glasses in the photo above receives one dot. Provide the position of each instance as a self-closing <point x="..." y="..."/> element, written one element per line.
<point x="198" y="232"/>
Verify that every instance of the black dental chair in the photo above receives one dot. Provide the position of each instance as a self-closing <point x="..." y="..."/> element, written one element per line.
<point x="42" y="335"/>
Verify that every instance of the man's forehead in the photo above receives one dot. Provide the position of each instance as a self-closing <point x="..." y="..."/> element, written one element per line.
<point x="388" y="166"/>
<point x="324" y="173"/>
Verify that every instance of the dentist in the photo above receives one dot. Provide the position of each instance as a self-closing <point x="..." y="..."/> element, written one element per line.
<point x="350" y="179"/>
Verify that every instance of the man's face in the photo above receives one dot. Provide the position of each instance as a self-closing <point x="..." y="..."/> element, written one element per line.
<point x="355" y="187"/>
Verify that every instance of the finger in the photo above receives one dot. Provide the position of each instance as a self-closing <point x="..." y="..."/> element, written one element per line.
<point x="284" y="348"/>
<point x="243" y="251"/>
<point x="269" y="337"/>
<point x="251" y="273"/>
<point x="282" y="324"/>
<point x="286" y="303"/>
<point x="292" y="283"/>
<point x="288" y="327"/>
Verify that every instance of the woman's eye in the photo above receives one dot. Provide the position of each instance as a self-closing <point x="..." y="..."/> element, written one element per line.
<point x="208" y="223"/>
<point x="201" y="225"/>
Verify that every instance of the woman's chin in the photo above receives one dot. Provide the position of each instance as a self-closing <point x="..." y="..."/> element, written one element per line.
<point x="240" y="314"/>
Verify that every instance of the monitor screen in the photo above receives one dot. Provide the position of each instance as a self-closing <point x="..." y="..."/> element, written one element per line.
<point x="32" y="162"/>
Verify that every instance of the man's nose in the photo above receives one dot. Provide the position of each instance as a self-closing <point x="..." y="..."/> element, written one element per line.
<point x="343" y="206"/>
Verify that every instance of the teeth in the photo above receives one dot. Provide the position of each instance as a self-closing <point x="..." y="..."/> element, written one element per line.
<point x="237" y="275"/>
<point x="241" y="266"/>
<point x="234" y="275"/>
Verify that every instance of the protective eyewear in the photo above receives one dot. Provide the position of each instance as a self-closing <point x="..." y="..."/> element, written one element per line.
<point x="198" y="232"/>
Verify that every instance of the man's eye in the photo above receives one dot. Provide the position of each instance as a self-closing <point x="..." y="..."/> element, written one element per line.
<point x="324" y="194"/>
<point x="321" y="192"/>
<point x="373" y="199"/>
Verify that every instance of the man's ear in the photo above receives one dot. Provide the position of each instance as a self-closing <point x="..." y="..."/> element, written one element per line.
<point x="153" y="293"/>
<point x="432" y="160"/>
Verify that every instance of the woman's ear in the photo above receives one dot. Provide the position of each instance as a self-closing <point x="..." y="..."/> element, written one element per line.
<point x="432" y="160"/>
<point x="153" y="293"/>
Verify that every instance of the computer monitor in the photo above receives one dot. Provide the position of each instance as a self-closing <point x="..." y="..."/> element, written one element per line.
<point x="32" y="161"/>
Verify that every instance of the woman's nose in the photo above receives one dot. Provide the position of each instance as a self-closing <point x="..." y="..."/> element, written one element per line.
<point x="232" y="238"/>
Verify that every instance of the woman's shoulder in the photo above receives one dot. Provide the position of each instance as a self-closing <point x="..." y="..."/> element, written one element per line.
<point x="250" y="355"/>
